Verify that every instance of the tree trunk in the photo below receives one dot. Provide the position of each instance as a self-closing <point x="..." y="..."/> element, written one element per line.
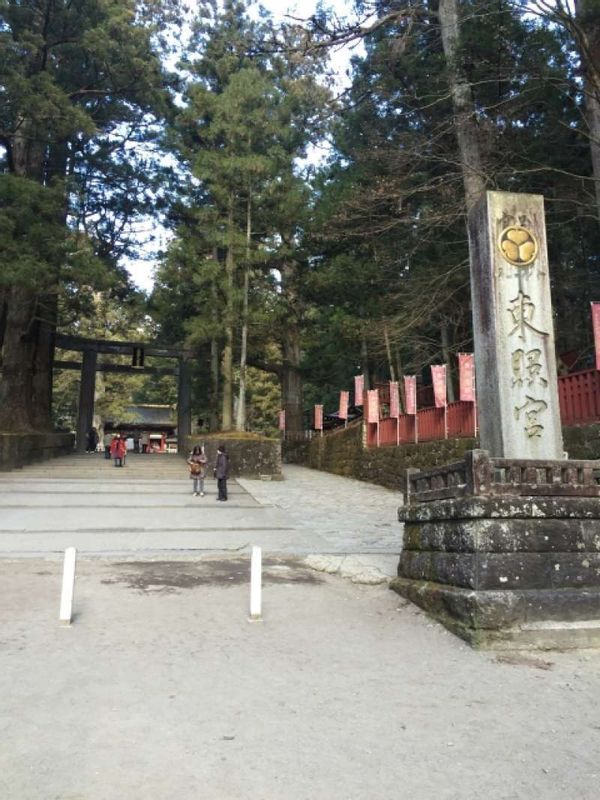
<point x="291" y="344"/>
<point x="586" y="31"/>
<point x="43" y="355"/>
<point x="291" y="382"/>
<point x="400" y="370"/>
<point x="227" y="362"/>
<point x="445" y="340"/>
<point x="213" y="422"/>
<point x="388" y="350"/>
<point x="3" y="313"/>
<point x="240" y="423"/>
<point x="465" y="120"/>
<point x="16" y="387"/>
<point x="27" y="343"/>
<point x="364" y="358"/>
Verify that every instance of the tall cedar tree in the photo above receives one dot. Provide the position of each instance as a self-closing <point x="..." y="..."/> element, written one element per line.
<point x="71" y="72"/>
<point x="248" y="117"/>
<point x="441" y="107"/>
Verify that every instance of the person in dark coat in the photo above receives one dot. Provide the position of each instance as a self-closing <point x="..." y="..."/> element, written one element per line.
<point x="222" y="472"/>
<point x="92" y="440"/>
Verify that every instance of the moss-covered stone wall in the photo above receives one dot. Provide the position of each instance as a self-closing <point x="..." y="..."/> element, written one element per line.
<point x="342" y="453"/>
<point x="582" y="441"/>
<point x="19" y="449"/>
<point x="249" y="457"/>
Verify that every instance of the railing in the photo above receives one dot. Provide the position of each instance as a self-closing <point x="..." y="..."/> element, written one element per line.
<point x="480" y="475"/>
<point x="579" y="400"/>
<point x="428" y="425"/>
<point x="299" y="436"/>
<point x="579" y="397"/>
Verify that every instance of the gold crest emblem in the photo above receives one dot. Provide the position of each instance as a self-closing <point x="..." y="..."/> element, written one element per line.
<point x="518" y="245"/>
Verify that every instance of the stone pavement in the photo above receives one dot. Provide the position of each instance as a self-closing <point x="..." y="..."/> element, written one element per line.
<point x="147" y="510"/>
<point x="162" y="689"/>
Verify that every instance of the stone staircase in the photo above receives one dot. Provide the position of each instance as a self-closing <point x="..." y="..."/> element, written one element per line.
<point x="155" y="467"/>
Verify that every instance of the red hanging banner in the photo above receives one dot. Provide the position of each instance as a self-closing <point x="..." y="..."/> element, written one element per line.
<point x="410" y="393"/>
<point x="343" y="410"/>
<point x="373" y="405"/>
<point x="596" y="327"/>
<point x="282" y="420"/>
<point x="438" y="376"/>
<point x="466" y="377"/>
<point x="359" y="388"/>
<point x="394" y="400"/>
<point x="318" y="418"/>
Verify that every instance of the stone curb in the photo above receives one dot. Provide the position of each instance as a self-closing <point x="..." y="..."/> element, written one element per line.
<point x="368" y="570"/>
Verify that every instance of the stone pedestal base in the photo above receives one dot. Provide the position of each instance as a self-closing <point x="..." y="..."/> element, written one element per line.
<point x="506" y="572"/>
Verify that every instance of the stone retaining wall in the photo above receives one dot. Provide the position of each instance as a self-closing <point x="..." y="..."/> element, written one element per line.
<point x="249" y="457"/>
<point x="342" y="453"/>
<point x="19" y="449"/>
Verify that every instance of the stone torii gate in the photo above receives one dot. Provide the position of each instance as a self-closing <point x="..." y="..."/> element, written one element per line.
<point x="137" y="351"/>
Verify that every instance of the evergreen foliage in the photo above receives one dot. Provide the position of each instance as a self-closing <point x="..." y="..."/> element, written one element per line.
<point x="285" y="279"/>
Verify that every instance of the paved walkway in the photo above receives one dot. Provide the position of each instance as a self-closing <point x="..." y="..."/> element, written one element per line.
<point x="147" y="509"/>
<point x="161" y="688"/>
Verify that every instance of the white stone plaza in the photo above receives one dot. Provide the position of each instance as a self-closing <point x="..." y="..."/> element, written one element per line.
<point x="162" y="689"/>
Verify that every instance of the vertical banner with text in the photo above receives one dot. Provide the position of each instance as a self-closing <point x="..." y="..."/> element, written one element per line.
<point x="395" y="407"/>
<point x="394" y="400"/>
<point x="282" y="420"/>
<point x="466" y="377"/>
<point x="359" y="388"/>
<point x="596" y="327"/>
<point x="343" y="410"/>
<point x="410" y="393"/>
<point x="319" y="418"/>
<point x="438" y="376"/>
<point x="373" y="406"/>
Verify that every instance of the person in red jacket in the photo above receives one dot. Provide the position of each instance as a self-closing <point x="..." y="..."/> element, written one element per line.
<point x="117" y="451"/>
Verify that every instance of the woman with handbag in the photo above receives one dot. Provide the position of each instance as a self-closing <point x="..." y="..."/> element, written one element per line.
<point x="197" y="465"/>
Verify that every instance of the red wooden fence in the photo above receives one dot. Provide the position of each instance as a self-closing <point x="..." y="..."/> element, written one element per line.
<point x="579" y="398"/>
<point x="428" y="425"/>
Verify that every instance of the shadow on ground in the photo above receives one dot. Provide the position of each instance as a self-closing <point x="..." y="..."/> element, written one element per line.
<point x="173" y="576"/>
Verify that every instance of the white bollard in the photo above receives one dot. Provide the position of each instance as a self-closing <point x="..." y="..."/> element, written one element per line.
<point x="68" y="586"/>
<point x="256" y="584"/>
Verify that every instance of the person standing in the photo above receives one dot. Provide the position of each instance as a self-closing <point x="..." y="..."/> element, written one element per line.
<point x="115" y="450"/>
<point x="92" y="440"/>
<point x="197" y="464"/>
<point x="106" y="441"/>
<point x="222" y="472"/>
<point x="123" y="448"/>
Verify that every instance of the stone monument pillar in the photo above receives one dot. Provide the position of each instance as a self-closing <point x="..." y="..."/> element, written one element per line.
<point x="504" y="547"/>
<point x="515" y="362"/>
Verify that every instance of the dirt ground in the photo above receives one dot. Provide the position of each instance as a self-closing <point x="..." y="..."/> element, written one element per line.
<point x="162" y="689"/>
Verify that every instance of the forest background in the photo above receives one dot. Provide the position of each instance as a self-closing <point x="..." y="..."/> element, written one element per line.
<point x="284" y="274"/>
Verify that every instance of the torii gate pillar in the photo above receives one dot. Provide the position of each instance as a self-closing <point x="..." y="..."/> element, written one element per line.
<point x="184" y="403"/>
<point x="87" y="389"/>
